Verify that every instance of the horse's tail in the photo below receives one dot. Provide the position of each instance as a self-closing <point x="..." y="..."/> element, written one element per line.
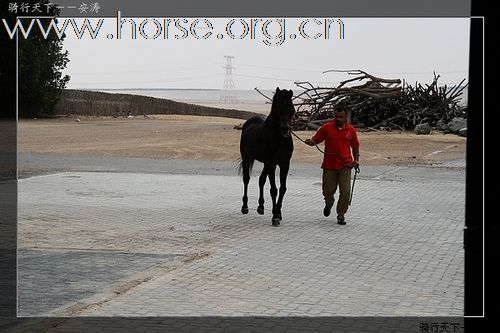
<point x="240" y="166"/>
<point x="250" y="122"/>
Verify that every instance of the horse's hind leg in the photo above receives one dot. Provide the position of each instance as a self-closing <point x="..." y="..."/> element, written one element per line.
<point x="262" y="182"/>
<point x="246" y="179"/>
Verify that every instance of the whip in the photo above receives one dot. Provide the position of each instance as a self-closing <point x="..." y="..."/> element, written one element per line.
<point x="356" y="171"/>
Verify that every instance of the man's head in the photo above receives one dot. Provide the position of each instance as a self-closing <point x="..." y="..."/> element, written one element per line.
<point x="340" y="118"/>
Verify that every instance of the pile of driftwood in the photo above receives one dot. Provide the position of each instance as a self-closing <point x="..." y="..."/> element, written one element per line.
<point x="377" y="103"/>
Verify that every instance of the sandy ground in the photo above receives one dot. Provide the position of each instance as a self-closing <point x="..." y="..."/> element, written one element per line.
<point x="263" y="107"/>
<point x="214" y="138"/>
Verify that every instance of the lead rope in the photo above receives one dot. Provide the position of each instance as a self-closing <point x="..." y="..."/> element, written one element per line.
<point x="318" y="148"/>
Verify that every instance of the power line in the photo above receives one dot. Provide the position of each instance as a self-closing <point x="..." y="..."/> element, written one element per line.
<point x="178" y="79"/>
<point x="152" y="70"/>
<point x="282" y="68"/>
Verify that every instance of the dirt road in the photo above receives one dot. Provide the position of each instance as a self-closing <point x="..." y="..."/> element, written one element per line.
<point x="214" y="138"/>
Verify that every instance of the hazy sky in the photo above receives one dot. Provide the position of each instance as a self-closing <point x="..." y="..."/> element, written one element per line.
<point x="405" y="48"/>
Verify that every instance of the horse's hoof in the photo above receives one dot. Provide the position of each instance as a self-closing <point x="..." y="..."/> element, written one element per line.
<point x="260" y="210"/>
<point x="276" y="215"/>
<point x="244" y="210"/>
<point x="276" y="222"/>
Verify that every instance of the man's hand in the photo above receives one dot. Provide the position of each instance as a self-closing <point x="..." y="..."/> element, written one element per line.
<point x="355" y="164"/>
<point x="310" y="142"/>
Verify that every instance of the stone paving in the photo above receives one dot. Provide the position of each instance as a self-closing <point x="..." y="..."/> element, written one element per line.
<point x="131" y="244"/>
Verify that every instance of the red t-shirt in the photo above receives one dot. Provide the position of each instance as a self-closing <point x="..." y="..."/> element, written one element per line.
<point x="338" y="144"/>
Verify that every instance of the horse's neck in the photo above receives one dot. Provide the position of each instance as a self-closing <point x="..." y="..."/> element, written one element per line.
<point x="273" y="118"/>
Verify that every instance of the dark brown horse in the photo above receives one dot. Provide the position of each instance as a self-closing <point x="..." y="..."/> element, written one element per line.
<point x="268" y="140"/>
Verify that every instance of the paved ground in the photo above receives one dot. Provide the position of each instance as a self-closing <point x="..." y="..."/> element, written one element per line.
<point x="169" y="244"/>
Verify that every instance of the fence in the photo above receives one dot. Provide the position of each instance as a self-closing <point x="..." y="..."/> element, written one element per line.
<point x="94" y="103"/>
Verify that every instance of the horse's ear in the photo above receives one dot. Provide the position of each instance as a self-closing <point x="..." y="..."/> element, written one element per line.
<point x="277" y="89"/>
<point x="290" y="93"/>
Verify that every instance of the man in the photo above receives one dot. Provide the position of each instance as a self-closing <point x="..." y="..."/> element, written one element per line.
<point x="340" y="138"/>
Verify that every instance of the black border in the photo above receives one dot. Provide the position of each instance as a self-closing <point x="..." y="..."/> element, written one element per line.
<point x="473" y="214"/>
<point x="473" y="235"/>
<point x="280" y="8"/>
<point x="8" y="174"/>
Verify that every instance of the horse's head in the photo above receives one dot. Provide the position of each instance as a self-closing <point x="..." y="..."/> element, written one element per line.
<point x="283" y="110"/>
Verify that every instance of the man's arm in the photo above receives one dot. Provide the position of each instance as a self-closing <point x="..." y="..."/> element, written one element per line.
<point x="317" y="138"/>
<point x="355" y="153"/>
<point x="355" y="148"/>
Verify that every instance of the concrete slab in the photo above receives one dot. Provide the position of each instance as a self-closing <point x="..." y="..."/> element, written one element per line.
<point x="132" y="244"/>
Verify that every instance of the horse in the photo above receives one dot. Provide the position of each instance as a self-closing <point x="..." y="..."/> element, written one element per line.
<point x="268" y="140"/>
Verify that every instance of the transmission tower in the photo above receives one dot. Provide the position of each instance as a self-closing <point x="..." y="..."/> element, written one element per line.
<point x="228" y="94"/>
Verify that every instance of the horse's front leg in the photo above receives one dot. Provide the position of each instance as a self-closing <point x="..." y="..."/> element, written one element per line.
<point x="262" y="182"/>
<point x="274" y="193"/>
<point x="284" y="167"/>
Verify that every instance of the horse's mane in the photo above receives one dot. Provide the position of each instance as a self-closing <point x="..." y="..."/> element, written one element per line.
<point x="274" y="102"/>
<point x="274" y="105"/>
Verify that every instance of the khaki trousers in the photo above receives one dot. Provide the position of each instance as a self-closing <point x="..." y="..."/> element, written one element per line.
<point x="341" y="179"/>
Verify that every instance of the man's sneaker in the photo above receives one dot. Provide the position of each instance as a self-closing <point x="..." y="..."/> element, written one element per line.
<point x="341" y="220"/>
<point x="327" y="210"/>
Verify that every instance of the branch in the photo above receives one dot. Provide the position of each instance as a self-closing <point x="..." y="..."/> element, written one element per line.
<point x="257" y="89"/>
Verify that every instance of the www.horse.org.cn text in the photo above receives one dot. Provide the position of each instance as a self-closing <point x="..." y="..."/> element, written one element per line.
<point x="269" y="31"/>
